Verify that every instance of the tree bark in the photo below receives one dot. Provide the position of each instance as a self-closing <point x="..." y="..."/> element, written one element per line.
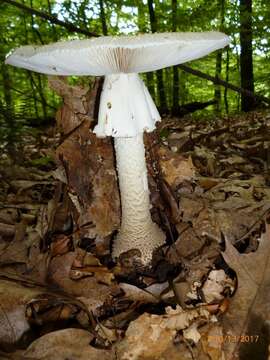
<point x="143" y="28"/>
<point x="7" y="109"/>
<point x="217" y="96"/>
<point x="7" y="90"/>
<point x="40" y="87"/>
<point x="246" y="64"/>
<point x="54" y="30"/>
<point x="226" y="103"/>
<point x="103" y="17"/>
<point x="175" y="90"/>
<point x="160" y="84"/>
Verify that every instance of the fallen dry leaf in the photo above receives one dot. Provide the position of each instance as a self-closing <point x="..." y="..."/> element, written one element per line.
<point x="249" y="311"/>
<point x="215" y="285"/>
<point x="66" y="344"/>
<point x="175" y="167"/>
<point x="87" y="289"/>
<point x="134" y="293"/>
<point x="13" y="299"/>
<point x="192" y="333"/>
<point x="212" y="342"/>
<point x="149" y="336"/>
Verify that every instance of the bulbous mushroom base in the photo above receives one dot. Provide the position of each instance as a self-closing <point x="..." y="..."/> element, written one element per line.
<point x="145" y="240"/>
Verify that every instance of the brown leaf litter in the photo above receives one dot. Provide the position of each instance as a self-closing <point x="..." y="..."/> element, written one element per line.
<point x="206" y="294"/>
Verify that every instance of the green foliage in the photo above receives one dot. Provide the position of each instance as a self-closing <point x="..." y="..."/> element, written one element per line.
<point x="42" y="162"/>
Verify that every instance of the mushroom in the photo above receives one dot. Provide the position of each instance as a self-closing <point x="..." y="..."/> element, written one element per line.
<point x="126" y="108"/>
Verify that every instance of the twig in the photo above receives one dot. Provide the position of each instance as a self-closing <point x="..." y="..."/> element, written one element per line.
<point x="53" y="19"/>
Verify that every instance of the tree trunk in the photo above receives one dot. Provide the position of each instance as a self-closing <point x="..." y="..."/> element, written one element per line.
<point x="175" y="90"/>
<point x="103" y="17"/>
<point x="151" y="84"/>
<point x="40" y="88"/>
<point x="143" y="28"/>
<point x="54" y="31"/>
<point x="7" y="109"/>
<point x="246" y="65"/>
<point x="9" y="112"/>
<point x="160" y="84"/>
<point x="217" y="96"/>
<point x="7" y="90"/>
<point x="226" y="103"/>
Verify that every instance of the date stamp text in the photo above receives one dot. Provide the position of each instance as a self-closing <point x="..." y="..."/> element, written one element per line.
<point x="233" y="338"/>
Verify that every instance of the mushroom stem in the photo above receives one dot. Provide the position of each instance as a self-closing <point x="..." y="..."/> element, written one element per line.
<point x="137" y="231"/>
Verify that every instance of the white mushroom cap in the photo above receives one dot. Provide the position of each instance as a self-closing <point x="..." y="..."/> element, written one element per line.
<point x="126" y="107"/>
<point x="117" y="54"/>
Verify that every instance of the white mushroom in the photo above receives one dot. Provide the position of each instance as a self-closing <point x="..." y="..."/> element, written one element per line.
<point x="126" y="108"/>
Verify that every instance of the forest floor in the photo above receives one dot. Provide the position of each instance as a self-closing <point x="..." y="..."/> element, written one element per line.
<point x="207" y="294"/>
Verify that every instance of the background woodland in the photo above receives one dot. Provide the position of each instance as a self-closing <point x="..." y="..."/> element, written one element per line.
<point x="222" y="80"/>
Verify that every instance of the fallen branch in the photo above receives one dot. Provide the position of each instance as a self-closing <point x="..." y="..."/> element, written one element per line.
<point x="218" y="81"/>
<point x="53" y="19"/>
<point x="194" y="106"/>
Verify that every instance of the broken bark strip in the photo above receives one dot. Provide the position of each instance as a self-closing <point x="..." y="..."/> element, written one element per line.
<point x="218" y="81"/>
<point x="53" y="19"/>
<point x="87" y="162"/>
